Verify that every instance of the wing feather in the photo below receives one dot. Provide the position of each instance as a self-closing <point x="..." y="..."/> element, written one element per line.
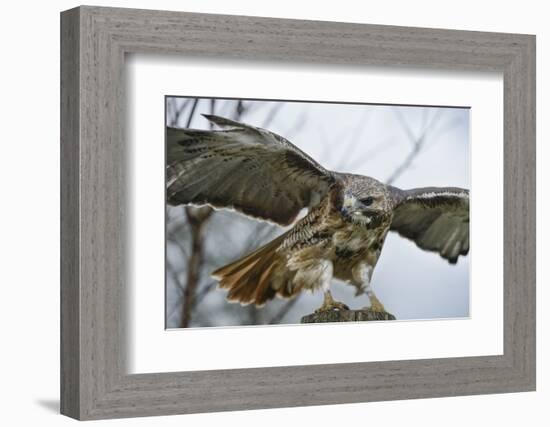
<point x="436" y="219"/>
<point x="249" y="169"/>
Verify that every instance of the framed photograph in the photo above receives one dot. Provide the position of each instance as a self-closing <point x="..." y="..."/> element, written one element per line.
<point x="262" y="213"/>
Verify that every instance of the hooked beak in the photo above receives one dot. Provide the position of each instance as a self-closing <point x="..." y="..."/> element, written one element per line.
<point x="364" y="211"/>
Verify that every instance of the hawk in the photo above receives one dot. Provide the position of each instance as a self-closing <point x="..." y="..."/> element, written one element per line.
<point x="262" y="175"/>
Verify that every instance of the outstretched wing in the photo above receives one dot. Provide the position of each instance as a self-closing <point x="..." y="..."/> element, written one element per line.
<point x="436" y="219"/>
<point x="245" y="168"/>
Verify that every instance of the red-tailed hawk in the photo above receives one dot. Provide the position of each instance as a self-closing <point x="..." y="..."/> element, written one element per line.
<point x="260" y="174"/>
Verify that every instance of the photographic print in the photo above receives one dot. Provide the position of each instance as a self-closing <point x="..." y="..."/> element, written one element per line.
<point x="289" y="212"/>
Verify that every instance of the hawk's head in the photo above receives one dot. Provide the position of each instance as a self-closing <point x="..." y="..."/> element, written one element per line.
<point x="365" y="201"/>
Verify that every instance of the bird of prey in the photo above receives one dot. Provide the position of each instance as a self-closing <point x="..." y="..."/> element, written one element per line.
<point x="262" y="175"/>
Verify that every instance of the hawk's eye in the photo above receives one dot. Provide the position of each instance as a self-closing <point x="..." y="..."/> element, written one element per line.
<point x="367" y="201"/>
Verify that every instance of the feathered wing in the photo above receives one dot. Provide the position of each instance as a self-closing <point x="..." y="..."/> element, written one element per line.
<point x="249" y="169"/>
<point x="436" y="219"/>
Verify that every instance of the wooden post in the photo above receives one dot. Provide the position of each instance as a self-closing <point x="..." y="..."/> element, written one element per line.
<point x="363" y="315"/>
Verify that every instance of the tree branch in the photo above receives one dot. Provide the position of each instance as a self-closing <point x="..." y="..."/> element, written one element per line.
<point x="197" y="218"/>
<point x="365" y="315"/>
<point x="417" y="143"/>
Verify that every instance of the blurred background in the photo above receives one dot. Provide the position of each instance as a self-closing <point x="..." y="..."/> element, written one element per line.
<point x="407" y="146"/>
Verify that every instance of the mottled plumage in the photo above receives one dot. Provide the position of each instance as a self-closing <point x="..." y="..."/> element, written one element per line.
<point x="262" y="175"/>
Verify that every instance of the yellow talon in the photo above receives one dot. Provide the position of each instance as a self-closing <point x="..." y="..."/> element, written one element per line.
<point x="330" y="304"/>
<point x="375" y="304"/>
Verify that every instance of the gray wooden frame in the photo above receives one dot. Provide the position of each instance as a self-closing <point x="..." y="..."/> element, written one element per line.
<point x="94" y="41"/>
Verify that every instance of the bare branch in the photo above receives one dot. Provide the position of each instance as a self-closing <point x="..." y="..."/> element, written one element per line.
<point x="417" y="143"/>
<point x="179" y="245"/>
<point x="298" y="124"/>
<point x="354" y="140"/>
<point x="271" y="115"/>
<point x="371" y="154"/>
<point x="192" y="112"/>
<point x="406" y="162"/>
<point x="197" y="218"/>
<point x="204" y="291"/>
<point x="405" y="126"/>
<point x="179" y="111"/>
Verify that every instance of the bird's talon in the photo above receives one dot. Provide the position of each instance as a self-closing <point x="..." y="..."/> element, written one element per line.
<point x="337" y="306"/>
<point x="376" y="306"/>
